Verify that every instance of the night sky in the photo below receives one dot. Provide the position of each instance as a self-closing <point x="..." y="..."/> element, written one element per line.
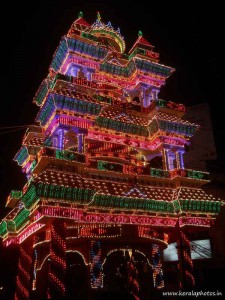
<point x="188" y="38"/>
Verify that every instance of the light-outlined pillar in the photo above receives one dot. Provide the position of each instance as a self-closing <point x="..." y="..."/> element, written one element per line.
<point x="57" y="261"/>
<point x="25" y="264"/>
<point x="96" y="268"/>
<point x="158" y="278"/>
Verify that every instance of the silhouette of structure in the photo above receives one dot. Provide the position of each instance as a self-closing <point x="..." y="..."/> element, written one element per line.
<point x="93" y="186"/>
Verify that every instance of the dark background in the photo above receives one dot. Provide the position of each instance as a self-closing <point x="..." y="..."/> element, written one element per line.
<point x="188" y="38"/>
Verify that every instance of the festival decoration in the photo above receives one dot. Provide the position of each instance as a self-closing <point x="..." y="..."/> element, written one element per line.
<point x="104" y="166"/>
<point x="185" y="264"/>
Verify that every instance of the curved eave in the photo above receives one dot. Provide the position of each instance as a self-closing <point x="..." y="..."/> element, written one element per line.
<point x="149" y="66"/>
<point x="75" y="45"/>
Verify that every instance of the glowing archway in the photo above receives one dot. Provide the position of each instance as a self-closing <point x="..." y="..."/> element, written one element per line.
<point x="116" y="270"/>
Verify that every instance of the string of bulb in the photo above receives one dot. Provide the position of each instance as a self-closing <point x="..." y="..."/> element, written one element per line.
<point x="9" y="129"/>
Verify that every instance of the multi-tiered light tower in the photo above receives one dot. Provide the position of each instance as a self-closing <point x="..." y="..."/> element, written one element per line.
<point x="104" y="167"/>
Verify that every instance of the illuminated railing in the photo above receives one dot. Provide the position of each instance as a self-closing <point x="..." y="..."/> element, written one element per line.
<point x="169" y="104"/>
<point x="200" y="206"/>
<point x="159" y="173"/>
<point x="188" y="173"/>
<point x="62" y="154"/>
<point x="121" y="126"/>
<point x="160" y="103"/>
<point x="146" y="170"/>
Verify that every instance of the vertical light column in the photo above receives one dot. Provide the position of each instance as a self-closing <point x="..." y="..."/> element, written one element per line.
<point x="23" y="280"/>
<point x="180" y="159"/>
<point x="165" y="159"/>
<point x="96" y="270"/>
<point x="158" y="279"/>
<point x="148" y="98"/>
<point x="154" y="94"/>
<point x="57" y="264"/>
<point x="61" y="135"/>
<point x="170" y="158"/>
<point x="132" y="277"/>
<point x="34" y="281"/>
<point x="81" y="140"/>
<point x="185" y="264"/>
<point x="74" y="71"/>
<point x="80" y="137"/>
<point x="143" y="97"/>
<point x="89" y="73"/>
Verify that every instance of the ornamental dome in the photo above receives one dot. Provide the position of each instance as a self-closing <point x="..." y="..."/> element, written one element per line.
<point x="108" y="34"/>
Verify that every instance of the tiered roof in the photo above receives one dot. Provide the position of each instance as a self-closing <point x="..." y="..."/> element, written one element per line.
<point x="140" y="43"/>
<point x="99" y="115"/>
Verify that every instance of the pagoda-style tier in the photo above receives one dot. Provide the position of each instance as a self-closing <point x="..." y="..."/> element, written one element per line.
<point x="114" y="163"/>
<point x="157" y="124"/>
<point x="121" y="200"/>
<point x="102" y="93"/>
<point x="109" y="65"/>
<point x="100" y="117"/>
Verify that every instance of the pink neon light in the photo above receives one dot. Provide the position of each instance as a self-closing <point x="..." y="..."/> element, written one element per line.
<point x="73" y="121"/>
<point x="107" y="78"/>
<point x="79" y="216"/>
<point x="67" y="120"/>
<point x="79" y="61"/>
<point x="123" y="140"/>
<point x="123" y="83"/>
<point x="197" y="221"/>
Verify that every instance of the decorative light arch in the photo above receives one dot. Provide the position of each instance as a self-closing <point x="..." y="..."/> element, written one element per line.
<point x="125" y="249"/>
<point x="78" y="252"/>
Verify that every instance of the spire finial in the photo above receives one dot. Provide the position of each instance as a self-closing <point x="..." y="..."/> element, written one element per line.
<point x="140" y="33"/>
<point x="80" y="15"/>
<point x="98" y="16"/>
